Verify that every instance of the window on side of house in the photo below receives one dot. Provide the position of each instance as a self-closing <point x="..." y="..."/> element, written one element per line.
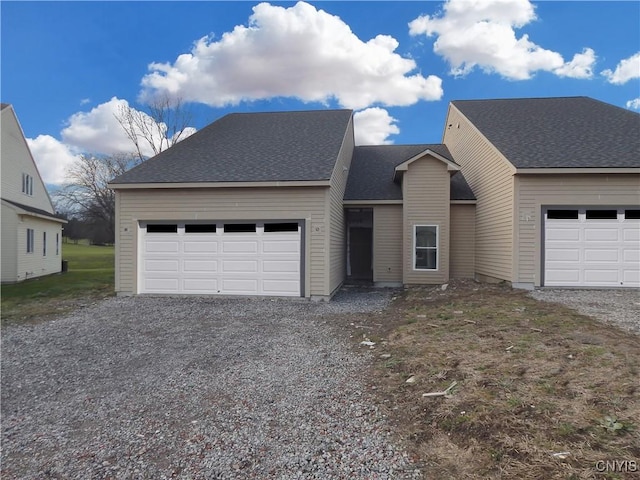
<point x="30" y="239"/>
<point x="27" y="184"/>
<point x="425" y="247"/>
<point x="57" y="244"/>
<point x="44" y="244"/>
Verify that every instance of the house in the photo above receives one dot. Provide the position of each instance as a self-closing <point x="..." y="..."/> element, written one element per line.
<point x="31" y="231"/>
<point x="557" y="182"/>
<point x="285" y="204"/>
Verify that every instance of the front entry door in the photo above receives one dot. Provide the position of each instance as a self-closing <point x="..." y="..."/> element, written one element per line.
<point x="361" y="252"/>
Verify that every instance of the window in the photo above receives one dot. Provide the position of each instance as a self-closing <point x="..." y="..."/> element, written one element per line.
<point x="44" y="244"/>
<point x="162" y="228"/>
<point x="27" y="184"/>
<point x="602" y="214"/>
<point x="563" y="214"/>
<point x="425" y="241"/>
<point x="239" y="227"/>
<point x="57" y="244"/>
<point x="280" y="227"/>
<point x="29" y="240"/>
<point x="200" y="228"/>
<point x="632" y="214"/>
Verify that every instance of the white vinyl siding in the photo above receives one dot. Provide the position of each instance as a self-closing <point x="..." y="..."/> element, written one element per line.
<point x="307" y="204"/>
<point x="462" y="255"/>
<point x="387" y="243"/>
<point x="490" y="176"/>
<point x="425" y="187"/>
<point x="337" y="234"/>
<point x="575" y="190"/>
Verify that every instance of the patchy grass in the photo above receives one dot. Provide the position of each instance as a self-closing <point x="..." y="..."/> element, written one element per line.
<point x="90" y="276"/>
<point x="533" y="380"/>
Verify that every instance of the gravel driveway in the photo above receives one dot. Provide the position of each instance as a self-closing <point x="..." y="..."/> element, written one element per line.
<point x="620" y="307"/>
<point x="194" y="388"/>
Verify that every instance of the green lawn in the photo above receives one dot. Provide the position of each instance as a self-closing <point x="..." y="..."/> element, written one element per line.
<point x="90" y="276"/>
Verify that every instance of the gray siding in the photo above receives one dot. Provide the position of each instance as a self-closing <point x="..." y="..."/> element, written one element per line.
<point x="387" y="243"/>
<point x="9" y="244"/>
<point x="337" y="240"/>
<point x="425" y="189"/>
<point x="307" y="203"/>
<point x="534" y="191"/>
<point x="490" y="176"/>
<point x="463" y="233"/>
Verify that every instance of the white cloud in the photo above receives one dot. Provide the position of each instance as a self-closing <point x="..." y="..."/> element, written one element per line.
<point x="634" y="104"/>
<point x="580" y="67"/>
<point x="98" y="130"/>
<point x="481" y="33"/>
<point x="373" y="127"/>
<point x="627" y="69"/>
<point x="52" y="157"/>
<point x="296" y="52"/>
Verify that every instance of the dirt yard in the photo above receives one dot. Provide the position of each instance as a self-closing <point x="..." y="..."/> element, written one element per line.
<point x="540" y="391"/>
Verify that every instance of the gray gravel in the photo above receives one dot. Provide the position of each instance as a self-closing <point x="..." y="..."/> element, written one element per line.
<point x="620" y="307"/>
<point x="194" y="388"/>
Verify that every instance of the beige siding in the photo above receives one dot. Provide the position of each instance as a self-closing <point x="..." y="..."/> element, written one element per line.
<point x="387" y="243"/>
<point x="337" y="241"/>
<point x="463" y="233"/>
<point x="9" y="244"/>
<point x="16" y="159"/>
<point x="299" y="203"/>
<point x="37" y="264"/>
<point x="490" y="176"/>
<point x="536" y="191"/>
<point x="425" y="188"/>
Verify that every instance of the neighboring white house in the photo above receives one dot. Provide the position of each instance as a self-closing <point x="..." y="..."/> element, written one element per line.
<point x="31" y="232"/>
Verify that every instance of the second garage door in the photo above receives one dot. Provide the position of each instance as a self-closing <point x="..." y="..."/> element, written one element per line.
<point x="592" y="247"/>
<point x="262" y="258"/>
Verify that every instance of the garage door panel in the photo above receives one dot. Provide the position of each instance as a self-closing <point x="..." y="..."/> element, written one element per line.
<point x="161" y="285"/>
<point x="290" y="266"/>
<point x="631" y="234"/>
<point x="200" y="247"/>
<point x="203" y="285"/>
<point x="233" y="246"/>
<point x="169" y="266"/>
<point x="571" y="254"/>
<point x="604" y="255"/>
<point x="188" y="261"/>
<point x="602" y="235"/>
<point x="190" y="266"/>
<point x="564" y="234"/>
<point x="280" y="287"/>
<point x="248" y="286"/>
<point x="239" y="266"/>
<point x="601" y="276"/>
<point x="592" y="252"/>
<point x="156" y="246"/>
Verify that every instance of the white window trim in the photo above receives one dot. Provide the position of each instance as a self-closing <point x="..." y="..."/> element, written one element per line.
<point x="30" y="240"/>
<point x="437" y="249"/>
<point x="27" y="184"/>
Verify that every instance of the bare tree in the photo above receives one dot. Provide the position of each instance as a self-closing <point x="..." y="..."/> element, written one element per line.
<point x="86" y="194"/>
<point x="165" y="124"/>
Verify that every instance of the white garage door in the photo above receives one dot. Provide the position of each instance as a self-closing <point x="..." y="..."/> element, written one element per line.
<point x="592" y="247"/>
<point x="220" y="258"/>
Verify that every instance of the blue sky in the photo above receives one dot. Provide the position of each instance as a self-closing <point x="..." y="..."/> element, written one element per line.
<point x="67" y="66"/>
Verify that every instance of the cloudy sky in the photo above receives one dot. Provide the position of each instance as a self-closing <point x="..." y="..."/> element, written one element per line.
<point x="68" y="67"/>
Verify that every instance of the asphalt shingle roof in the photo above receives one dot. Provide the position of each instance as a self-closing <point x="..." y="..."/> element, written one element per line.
<point x="373" y="168"/>
<point x="251" y="147"/>
<point x="35" y="210"/>
<point x="569" y="132"/>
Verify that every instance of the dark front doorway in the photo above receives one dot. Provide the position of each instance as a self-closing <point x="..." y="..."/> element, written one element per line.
<point x="360" y="244"/>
